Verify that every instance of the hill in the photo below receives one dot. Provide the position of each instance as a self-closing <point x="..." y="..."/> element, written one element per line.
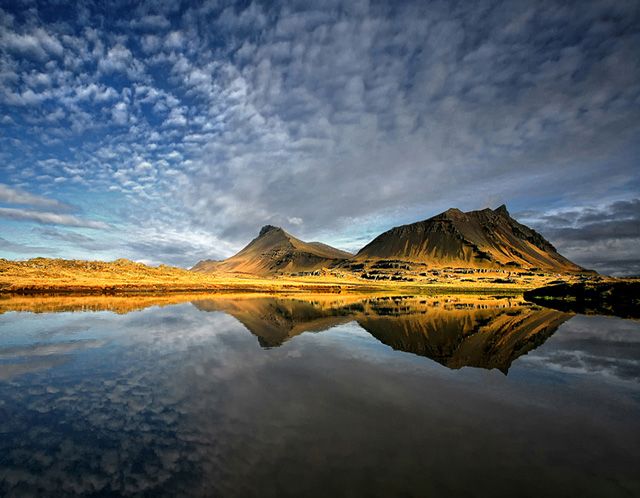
<point x="273" y="251"/>
<point x="64" y="276"/>
<point x="475" y="239"/>
<point x="40" y="275"/>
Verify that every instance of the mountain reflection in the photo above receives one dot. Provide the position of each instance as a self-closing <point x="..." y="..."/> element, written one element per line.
<point x="456" y="331"/>
<point x="180" y="400"/>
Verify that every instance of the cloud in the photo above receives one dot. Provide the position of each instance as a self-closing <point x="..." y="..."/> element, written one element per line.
<point x="11" y="195"/>
<point x="176" y="118"/>
<point x="120" y="114"/>
<point x="171" y="245"/>
<point x="49" y="218"/>
<point x="337" y="122"/>
<point x="174" y="40"/>
<point x="17" y="248"/>
<point x="605" y="237"/>
<point x="96" y="92"/>
<point x="65" y="236"/>
<point x="437" y="125"/>
<point x="38" y="44"/>
<point x="120" y="59"/>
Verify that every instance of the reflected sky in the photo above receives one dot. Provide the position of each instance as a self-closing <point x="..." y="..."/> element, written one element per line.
<point x="351" y="400"/>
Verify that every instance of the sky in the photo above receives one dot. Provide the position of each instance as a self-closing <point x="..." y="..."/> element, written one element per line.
<point x="169" y="132"/>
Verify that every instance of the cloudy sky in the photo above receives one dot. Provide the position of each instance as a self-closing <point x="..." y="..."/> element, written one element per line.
<point x="172" y="131"/>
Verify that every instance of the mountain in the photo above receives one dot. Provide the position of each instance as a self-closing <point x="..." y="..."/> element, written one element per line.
<point x="486" y="238"/>
<point x="275" y="250"/>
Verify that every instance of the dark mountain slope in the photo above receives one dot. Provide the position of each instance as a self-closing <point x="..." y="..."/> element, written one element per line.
<point x="485" y="238"/>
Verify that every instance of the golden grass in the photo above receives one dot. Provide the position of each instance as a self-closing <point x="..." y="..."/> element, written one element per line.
<point x="57" y="276"/>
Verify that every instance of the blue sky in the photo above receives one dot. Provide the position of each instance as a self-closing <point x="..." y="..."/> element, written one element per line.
<point x="168" y="132"/>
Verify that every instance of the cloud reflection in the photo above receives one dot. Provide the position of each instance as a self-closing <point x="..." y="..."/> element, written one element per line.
<point x="181" y="402"/>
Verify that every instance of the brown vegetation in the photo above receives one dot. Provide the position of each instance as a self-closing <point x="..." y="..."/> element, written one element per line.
<point x="57" y="276"/>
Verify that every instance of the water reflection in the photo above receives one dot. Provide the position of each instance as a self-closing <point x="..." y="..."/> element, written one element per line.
<point x="456" y="331"/>
<point x="115" y="304"/>
<point x="264" y="396"/>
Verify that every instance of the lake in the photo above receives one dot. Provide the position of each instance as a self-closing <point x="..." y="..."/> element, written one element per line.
<point x="316" y="396"/>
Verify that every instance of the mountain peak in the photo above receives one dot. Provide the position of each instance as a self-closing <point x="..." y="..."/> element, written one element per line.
<point x="268" y="228"/>
<point x="502" y="210"/>
<point x="452" y="213"/>
<point x="484" y="238"/>
<point x="276" y="251"/>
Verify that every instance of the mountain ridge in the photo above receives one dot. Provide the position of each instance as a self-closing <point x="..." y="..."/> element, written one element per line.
<point x="275" y="250"/>
<point x="482" y="238"/>
<point x="485" y="238"/>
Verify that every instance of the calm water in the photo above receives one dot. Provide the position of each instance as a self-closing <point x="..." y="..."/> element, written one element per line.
<point x="256" y="396"/>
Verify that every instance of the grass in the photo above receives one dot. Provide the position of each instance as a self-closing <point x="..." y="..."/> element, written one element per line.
<point x="59" y="276"/>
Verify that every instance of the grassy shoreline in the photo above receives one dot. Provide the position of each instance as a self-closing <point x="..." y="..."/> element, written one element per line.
<point x="133" y="290"/>
<point x="42" y="276"/>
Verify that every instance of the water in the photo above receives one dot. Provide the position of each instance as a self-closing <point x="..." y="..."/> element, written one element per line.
<point x="323" y="396"/>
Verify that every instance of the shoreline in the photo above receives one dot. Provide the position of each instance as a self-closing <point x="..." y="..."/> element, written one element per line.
<point x="41" y="276"/>
<point x="311" y="288"/>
